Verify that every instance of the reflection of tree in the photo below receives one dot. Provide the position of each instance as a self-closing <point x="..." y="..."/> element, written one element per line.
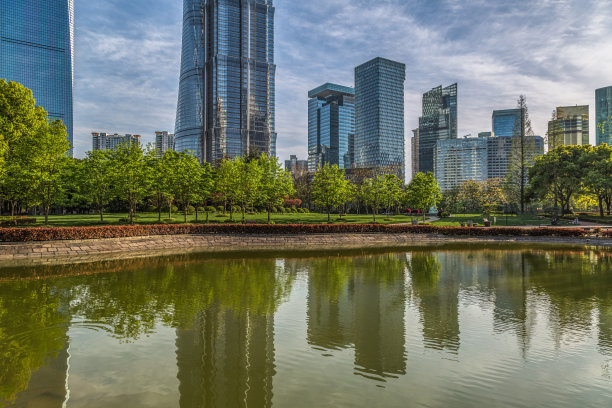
<point x="34" y="319"/>
<point x="360" y="301"/>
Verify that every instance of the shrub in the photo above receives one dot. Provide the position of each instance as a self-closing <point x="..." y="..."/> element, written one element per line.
<point x="236" y="209"/>
<point x="273" y="209"/>
<point x="445" y="214"/>
<point x="281" y="210"/>
<point x="202" y="209"/>
<point x="306" y="211"/>
<point x="221" y="208"/>
<point x="174" y="209"/>
<point x="191" y="210"/>
<point x="210" y="209"/>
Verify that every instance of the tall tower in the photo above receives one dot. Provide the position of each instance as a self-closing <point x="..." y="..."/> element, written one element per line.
<point x="226" y="102"/>
<point x="379" y="116"/>
<point x="603" y="112"/>
<point x="37" y="50"/>
<point x="439" y="122"/>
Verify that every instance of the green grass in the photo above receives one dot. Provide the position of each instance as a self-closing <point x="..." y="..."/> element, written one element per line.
<point x="152" y="218"/>
<point x="502" y="220"/>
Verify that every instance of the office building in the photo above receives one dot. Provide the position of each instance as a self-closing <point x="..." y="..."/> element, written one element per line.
<point x="570" y="128"/>
<point x="331" y="126"/>
<point x="507" y="123"/>
<point x="414" y="152"/>
<point x="226" y="102"/>
<point x="107" y="141"/>
<point x="459" y="160"/>
<point x="295" y="166"/>
<point x="164" y="142"/>
<point x="379" y="116"/>
<point x="603" y="112"/>
<point x="37" y="50"/>
<point x="502" y="151"/>
<point x="439" y="122"/>
<point x="485" y="134"/>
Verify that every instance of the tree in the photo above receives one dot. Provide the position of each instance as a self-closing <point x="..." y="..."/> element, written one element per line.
<point x="186" y="178"/>
<point x="393" y="191"/>
<point x="329" y="188"/>
<point x="160" y="181"/>
<point x="493" y="195"/>
<point x="276" y="183"/>
<point x="373" y="192"/>
<point x="598" y="180"/>
<point x="205" y="188"/>
<point x="450" y="201"/>
<point x="226" y="175"/>
<point x="132" y="177"/>
<point x="423" y="192"/>
<point x="471" y="195"/>
<point x="97" y="179"/>
<point x="247" y="182"/>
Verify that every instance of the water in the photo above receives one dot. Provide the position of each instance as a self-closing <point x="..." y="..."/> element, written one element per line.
<point x="449" y="327"/>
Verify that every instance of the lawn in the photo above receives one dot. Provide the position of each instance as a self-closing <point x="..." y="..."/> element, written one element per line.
<point x="502" y="220"/>
<point x="152" y="218"/>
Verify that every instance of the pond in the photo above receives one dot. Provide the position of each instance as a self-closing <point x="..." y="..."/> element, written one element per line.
<point x="448" y="326"/>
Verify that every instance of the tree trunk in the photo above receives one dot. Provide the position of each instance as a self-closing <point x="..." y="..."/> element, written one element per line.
<point x="46" y="215"/>
<point x="207" y="217"/>
<point x="374" y="214"/>
<point x="196" y="213"/>
<point x="101" y="214"/>
<point x="185" y="214"/>
<point x="328" y="215"/>
<point x="243" y="211"/>
<point x="601" y="206"/>
<point x="159" y="211"/>
<point x="269" y="216"/>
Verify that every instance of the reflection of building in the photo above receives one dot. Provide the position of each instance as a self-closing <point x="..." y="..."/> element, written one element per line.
<point x="439" y="122"/>
<point x="164" y="142"/>
<point x="379" y="115"/>
<point x="37" y="50"/>
<point x="331" y="126"/>
<point x="350" y="304"/>
<point x="226" y="102"/>
<point x="105" y="141"/>
<point x="226" y="359"/>
<point x="570" y="128"/>
<point x="603" y="113"/>
<point x="507" y="123"/>
<point x="459" y="160"/>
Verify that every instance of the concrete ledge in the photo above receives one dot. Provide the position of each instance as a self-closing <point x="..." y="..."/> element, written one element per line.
<point x="64" y="252"/>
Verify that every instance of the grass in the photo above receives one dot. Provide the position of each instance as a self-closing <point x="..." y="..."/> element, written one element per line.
<point x="502" y="220"/>
<point x="152" y="218"/>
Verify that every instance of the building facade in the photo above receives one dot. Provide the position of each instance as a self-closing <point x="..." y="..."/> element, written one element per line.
<point x="107" y="141"/>
<point x="504" y="151"/>
<point x="414" y="152"/>
<point x="603" y="112"/>
<point x="331" y="126"/>
<point x="570" y="128"/>
<point x="507" y="122"/>
<point x="226" y="102"/>
<point x="164" y="142"/>
<point x="37" y="50"/>
<point x="295" y="166"/>
<point x="459" y="160"/>
<point x="379" y="116"/>
<point x="439" y="122"/>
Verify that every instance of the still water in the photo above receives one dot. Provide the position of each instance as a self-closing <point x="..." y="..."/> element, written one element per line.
<point x="452" y="326"/>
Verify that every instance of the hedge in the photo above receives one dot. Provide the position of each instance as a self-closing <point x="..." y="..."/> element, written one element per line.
<point x="71" y="233"/>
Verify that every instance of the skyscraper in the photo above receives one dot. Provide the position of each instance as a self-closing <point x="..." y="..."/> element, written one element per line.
<point x="414" y="152"/>
<point x="107" y="141"/>
<point x="164" y="142"/>
<point x="507" y="123"/>
<point x="379" y="115"/>
<point x="571" y="127"/>
<point x="459" y="160"/>
<point x="331" y="126"/>
<point x="439" y="122"/>
<point x="226" y="102"/>
<point x="603" y="112"/>
<point x="37" y="50"/>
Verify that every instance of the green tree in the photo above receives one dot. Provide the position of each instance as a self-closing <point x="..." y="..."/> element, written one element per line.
<point x="132" y="177"/>
<point x="450" y="201"/>
<point x="598" y="180"/>
<point x="329" y="188"/>
<point x="186" y="178"/>
<point x="493" y="195"/>
<point x="248" y="182"/>
<point x="160" y="182"/>
<point x="276" y="183"/>
<point x="373" y="193"/>
<point x="423" y="192"/>
<point x="226" y="175"/>
<point x="205" y="188"/>
<point x="97" y="179"/>
<point x="471" y="195"/>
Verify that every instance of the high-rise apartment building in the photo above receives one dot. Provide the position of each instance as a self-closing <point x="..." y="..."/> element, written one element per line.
<point x="439" y="122"/>
<point x="107" y="141"/>
<point x="226" y="102"/>
<point x="295" y="166"/>
<point x="37" y="50"/>
<point x="507" y="123"/>
<point x="459" y="160"/>
<point x="603" y="112"/>
<point x="379" y="116"/>
<point x="164" y="142"/>
<point x="331" y="126"/>
<point x="570" y="128"/>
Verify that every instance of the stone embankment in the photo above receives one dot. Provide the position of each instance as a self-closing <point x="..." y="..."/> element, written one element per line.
<point x="59" y="252"/>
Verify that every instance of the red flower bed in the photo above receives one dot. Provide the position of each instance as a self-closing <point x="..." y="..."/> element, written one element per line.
<point x="72" y="233"/>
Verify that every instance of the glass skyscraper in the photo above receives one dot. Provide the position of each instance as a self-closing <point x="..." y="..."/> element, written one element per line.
<point x="439" y="122"/>
<point x="226" y="102"/>
<point x="459" y="160"/>
<point x="603" y="112"/>
<point x="37" y="50"/>
<point x="379" y="115"/>
<point x="507" y="123"/>
<point x="571" y="128"/>
<point x="331" y="126"/>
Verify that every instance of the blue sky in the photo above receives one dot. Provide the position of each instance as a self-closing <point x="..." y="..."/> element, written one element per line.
<point x="557" y="52"/>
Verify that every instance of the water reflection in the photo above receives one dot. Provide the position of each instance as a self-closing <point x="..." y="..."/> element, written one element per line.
<point x="358" y="305"/>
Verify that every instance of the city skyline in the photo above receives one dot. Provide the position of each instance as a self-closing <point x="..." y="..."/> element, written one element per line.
<point x="142" y="64"/>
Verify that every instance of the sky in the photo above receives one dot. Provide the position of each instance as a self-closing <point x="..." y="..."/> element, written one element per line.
<point x="556" y="52"/>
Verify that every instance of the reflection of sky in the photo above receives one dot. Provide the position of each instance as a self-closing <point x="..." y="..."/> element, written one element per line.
<point x="556" y="52"/>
